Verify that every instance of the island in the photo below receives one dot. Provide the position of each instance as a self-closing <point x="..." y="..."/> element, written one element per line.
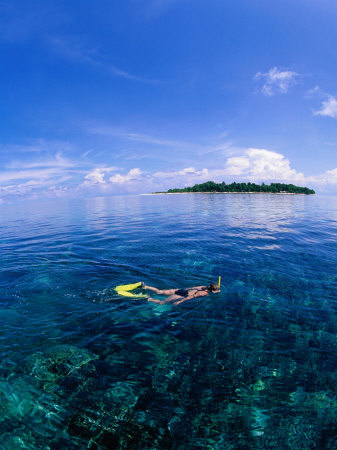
<point x="210" y="187"/>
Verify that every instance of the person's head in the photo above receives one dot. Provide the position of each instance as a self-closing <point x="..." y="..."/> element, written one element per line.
<point x="213" y="287"/>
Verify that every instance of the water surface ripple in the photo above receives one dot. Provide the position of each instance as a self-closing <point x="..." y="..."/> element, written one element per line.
<point x="252" y="367"/>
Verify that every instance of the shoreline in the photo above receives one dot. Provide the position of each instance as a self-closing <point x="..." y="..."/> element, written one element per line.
<point x="259" y="193"/>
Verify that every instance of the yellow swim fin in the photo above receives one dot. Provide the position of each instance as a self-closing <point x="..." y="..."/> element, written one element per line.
<point x="128" y="287"/>
<point x="125" y="288"/>
<point x="130" y="294"/>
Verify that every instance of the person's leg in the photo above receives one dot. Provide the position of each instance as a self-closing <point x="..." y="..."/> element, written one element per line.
<point x="160" y="291"/>
<point x="170" y="299"/>
<point x="154" y="300"/>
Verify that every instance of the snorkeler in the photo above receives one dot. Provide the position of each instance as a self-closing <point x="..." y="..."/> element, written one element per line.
<point x="178" y="296"/>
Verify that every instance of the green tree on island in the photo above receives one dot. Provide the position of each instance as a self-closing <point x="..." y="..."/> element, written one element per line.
<point x="274" y="188"/>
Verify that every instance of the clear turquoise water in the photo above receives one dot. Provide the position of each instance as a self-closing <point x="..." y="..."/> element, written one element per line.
<point x="252" y="367"/>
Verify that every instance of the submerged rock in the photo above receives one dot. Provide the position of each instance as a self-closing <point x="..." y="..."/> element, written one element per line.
<point x="62" y="364"/>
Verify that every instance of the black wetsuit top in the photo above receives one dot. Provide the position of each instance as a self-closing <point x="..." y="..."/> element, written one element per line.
<point x="185" y="292"/>
<point x="182" y="292"/>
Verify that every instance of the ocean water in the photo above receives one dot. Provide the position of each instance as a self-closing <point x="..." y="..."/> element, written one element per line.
<point x="254" y="366"/>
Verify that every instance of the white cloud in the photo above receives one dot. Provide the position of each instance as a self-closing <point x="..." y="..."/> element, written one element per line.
<point x="328" y="108"/>
<point x="96" y="176"/>
<point x="35" y="187"/>
<point x="316" y="90"/>
<point x="276" y="81"/>
<point x="57" y="161"/>
<point x="76" y="52"/>
<point x="40" y="174"/>
<point x="138" y="156"/>
<point x="22" y="178"/>
<point x="39" y="170"/>
<point x="328" y="177"/>
<point x="132" y="175"/>
<point x="106" y="130"/>
<point x="224" y="149"/>
<point x="36" y="146"/>
<point x="56" y="175"/>
<point x="261" y="164"/>
<point x="187" y="172"/>
<point x="253" y="164"/>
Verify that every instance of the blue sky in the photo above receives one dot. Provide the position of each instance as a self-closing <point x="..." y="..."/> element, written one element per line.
<point x="134" y="96"/>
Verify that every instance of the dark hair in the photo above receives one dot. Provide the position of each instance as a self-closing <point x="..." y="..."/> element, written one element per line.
<point x="213" y="287"/>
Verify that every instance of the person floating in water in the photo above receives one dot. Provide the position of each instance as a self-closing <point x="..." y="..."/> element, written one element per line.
<point x="177" y="296"/>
